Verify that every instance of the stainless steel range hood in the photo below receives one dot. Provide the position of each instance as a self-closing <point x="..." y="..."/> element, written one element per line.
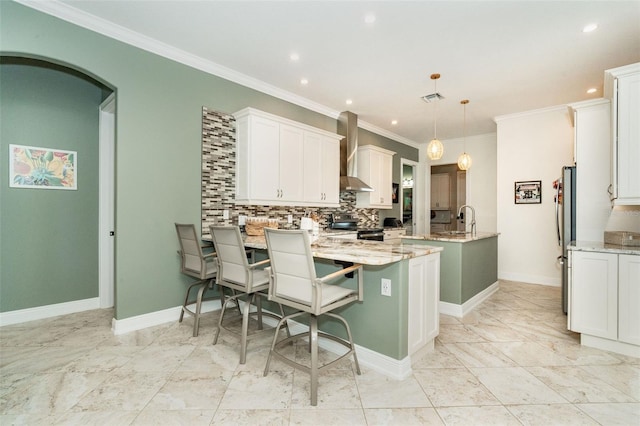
<point x="348" y="127"/>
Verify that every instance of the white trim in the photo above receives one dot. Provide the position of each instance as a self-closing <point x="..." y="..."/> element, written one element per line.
<point x="530" y="113"/>
<point x="109" y="29"/>
<point x="530" y="279"/>
<point x="48" y="311"/>
<point x="106" y="197"/>
<point x="610" y="345"/>
<point x="152" y="319"/>
<point x="460" y="311"/>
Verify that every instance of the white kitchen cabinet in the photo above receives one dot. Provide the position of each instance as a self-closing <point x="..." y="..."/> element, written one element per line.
<point x="272" y="158"/>
<point x="623" y="87"/>
<point x="440" y="191"/>
<point x="594" y="294"/>
<point x="604" y="296"/>
<point x="321" y="169"/>
<point x="629" y="299"/>
<point x="592" y="154"/>
<point x="375" y="168"/>
<point x="424" y="296"/>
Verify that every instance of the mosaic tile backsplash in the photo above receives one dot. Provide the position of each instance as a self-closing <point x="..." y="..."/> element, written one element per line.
<point x="219" y="181"/>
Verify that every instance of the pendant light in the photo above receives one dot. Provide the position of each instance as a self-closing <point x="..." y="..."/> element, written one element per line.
<point x="435" y="149"/>
<point x="464" y="160"/>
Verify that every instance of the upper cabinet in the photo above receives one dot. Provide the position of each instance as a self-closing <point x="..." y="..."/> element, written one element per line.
<point x="321" y="169"/>
<point x="282" y="162"/>
<point x="440" y="190"/>
<point x="622" y="86"/>
<point x="375" y="168"/>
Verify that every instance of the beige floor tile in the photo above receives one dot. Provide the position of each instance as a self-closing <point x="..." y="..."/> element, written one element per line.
<point x="552" y="414"/>
<point x="485" y="415"/>
<point x="440" y="357"/>
<point x="249" y="390"/>
<point x="623" y="414"/>
<point x="625" y="378"/>
<point x="84" y="418"/>
<point x="322" y="417"/>
<point x="251" y="417"/>
<point x="336" y="389"/>
<point x="378" y="391"/>
<point x="448" y="387"/>
<point x="531" y="354"/>
<point x="402" y="416"/>
<point x="151" y="416"/>
<point x="191" y="390"/>
<point x="515" y="385"/>
<point x="453" y="333"/>
<point x="479" y="355"/>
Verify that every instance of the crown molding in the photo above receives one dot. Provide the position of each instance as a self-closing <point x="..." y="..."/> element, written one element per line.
<point x="530" y="113"/>
<point x="109" y="29"/>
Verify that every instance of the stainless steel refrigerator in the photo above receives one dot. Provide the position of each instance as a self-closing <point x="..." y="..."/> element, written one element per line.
<point x="565" y="201"/>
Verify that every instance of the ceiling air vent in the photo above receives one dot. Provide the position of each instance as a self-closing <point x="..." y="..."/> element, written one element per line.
<point x="432" y="97"/>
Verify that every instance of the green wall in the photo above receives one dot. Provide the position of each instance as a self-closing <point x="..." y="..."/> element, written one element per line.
<point x="158" y="143"/>
<point x="49" y="238"/>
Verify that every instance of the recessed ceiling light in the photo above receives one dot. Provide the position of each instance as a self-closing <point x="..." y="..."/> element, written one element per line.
<point x="589" y="28"/>
<point x="294" y="57"/>
<point x="394" y="122"/>
<point x="304" y="81"/>
<point x="592" y="90"/>
<point x="370" y="18"/>
<point x="348" y="101"/>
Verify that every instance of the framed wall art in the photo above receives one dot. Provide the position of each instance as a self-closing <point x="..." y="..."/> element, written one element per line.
<point x="528" y="192"/>
<point x="42" y="168"/>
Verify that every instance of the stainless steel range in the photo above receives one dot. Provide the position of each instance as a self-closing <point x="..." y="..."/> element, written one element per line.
<point x="348" y="222"/>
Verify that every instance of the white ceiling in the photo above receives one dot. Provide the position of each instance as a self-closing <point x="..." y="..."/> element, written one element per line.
<point x="505" y="56"/>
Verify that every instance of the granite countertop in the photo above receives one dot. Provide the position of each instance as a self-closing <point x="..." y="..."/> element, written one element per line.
<point x="451" y="237"/>
<point x="602" y="247"/>
<point x="357" y="251"/>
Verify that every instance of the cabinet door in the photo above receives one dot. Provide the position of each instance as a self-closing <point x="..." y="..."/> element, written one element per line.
<point x="290" y="163"/>
<point x="424" y="296"/>
<point x="375" y="167"/>
<point x="440" y="188"/>
<point x="629" y="299"/>
<point x="264" y="154"/>
<point x="330" y="170"/>
<point x="385" y="187"/>
<point x="594" y="294"/>
<point x="321" y="169"/>
<point x="628" y="139"/>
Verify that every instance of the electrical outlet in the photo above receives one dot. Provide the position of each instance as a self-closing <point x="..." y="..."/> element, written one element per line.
<point x="290" y="219"/>
<point x="225" y="214"/>
<point x="385" y="287"/>
<point x="242" y="219"/>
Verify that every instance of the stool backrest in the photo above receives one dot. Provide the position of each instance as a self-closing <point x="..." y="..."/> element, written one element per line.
<point x="232" y="257"/>
<point x="292" y="267"/>
<point x="193" y="262"/>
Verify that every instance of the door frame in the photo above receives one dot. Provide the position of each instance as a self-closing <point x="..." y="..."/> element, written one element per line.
<point x="106" y="202"/>
<point x="416" y="187"/>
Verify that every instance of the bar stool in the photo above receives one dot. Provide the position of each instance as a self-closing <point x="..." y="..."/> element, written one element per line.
<point x="236" y="273"/>
<point x="293" y="283"/>
<point x="197" y="265"/>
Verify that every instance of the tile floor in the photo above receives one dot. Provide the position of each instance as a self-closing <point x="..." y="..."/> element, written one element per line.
<point x="509" y="362"/>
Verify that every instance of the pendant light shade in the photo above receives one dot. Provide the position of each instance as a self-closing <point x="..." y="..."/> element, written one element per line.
<point x="464" y="160"/>
<point x="435" y="149"/>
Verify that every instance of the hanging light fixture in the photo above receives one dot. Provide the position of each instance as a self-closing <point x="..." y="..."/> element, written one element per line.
<point x="435" y="149"/>
<point x="464" y="160"/>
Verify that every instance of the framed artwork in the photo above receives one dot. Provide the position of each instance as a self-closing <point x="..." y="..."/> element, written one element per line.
<point x="528" y="192"/>
<point x="395" y="189"/>
<point x="42" y="168"/>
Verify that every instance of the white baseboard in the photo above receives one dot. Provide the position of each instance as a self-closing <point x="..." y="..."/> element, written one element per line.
<point x="610" y="345"/>
<point x="48" y="311"/>
<point x="460" y="311"/>
<point x="531" y="279"/>
<point x="152" y="319"/>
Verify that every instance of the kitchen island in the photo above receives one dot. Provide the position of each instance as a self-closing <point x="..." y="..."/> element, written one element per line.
<point x="469" y="268"/>
<point x="387" y="330"/>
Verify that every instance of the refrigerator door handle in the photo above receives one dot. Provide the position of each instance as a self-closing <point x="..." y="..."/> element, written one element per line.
<point x="558" y="212"/>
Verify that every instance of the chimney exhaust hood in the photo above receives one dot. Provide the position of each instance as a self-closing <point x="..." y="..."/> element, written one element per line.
<point x="348" y="127"/>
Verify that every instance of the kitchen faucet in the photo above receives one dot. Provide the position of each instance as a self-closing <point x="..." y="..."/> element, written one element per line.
<point x="473" y="218"/>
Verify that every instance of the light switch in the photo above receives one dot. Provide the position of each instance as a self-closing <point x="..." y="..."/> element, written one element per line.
<point x="225" y="214"/>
